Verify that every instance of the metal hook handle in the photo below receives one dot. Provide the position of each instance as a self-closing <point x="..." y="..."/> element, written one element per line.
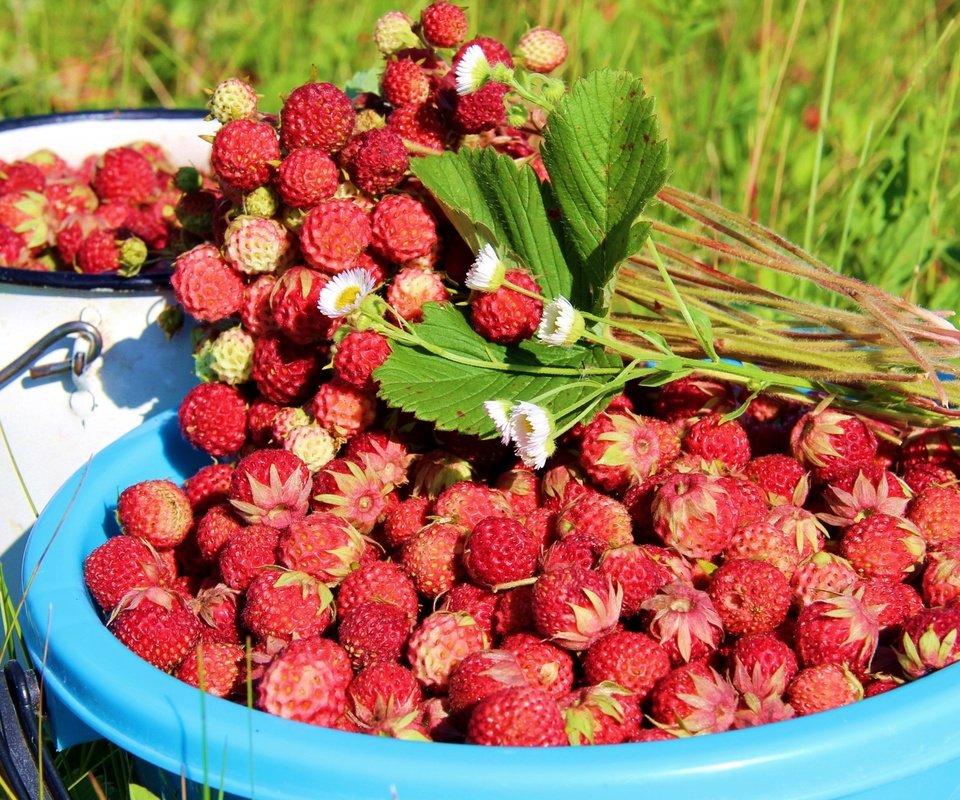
<point x="76" y="364"/>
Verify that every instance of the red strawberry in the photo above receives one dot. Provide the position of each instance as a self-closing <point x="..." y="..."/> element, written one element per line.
<point x="820" y="576"/>
<point x="545" y="665"/>
<point x="381" y="694"/>
<point x="270" y="487"/>
<point x="286" y="604"/>
<point x="214" y="667"/>
<point x="422" y="125"/>
<point x="694" y="698"/>
<point x="761" y="664"/>
<point x="377" y="160"/>
<point x="684" y="621"/>
<point x="514" y="612"/>
<point x="694" y="514"/>
<point x="691" y="396"/>
<point x="478" y="675"/>
<point x="606" y="520"/>
<point x="828" y="442"/>
<point x="208" y="486"/>
<point x="837" y="630"/>
<point x="517" y="717"/>
<point x="883" y="546"/>
<point x="637" y="572"/>
<point x="619" y="448"/>
<point x="500" y="550"/>
<point x="213" y="418"/>
<point x="357" y="355"/>
<point x="715" y="440"/>
<point x="575" y="606"/>
<point x="941" y="576"/>
<point x="750" y="596"/>
<point x="120" y="565"/>
<point x="632" y="660"/>
<point x="936" y="512"/>
<point x="316" y="115"/>
<point x="124" y="176"/>
<point x="293" y="304"/>
<point x="334" y="234"/>
<point x="285" y="372"/>
<point x="891" y="601"/>
<point x="412" y="288"/>
<point x="930" y="641"/>
<point x="348" y="490"/>
<point x="763" y="541"/>
<point x="823" y="687"/>
<point x="156" y="511"/>
<point x="602" y="714"/>
<point x="504" y="315"/>
<point x="245" y="553"/>
<point x="443" y="24"/>
<point x="373" y="632"/>
<point x="468" y="502"/>
<point x="306" y="176"/>
<point x="157" y="624"/>
<point x="217" y="607"/>
<point x="322" y="545"/>
<point x="439" y="643"/>
<point x="402" y="228"/>
<point x="405" y="521"/>
<point x="307" y="681"/>
<point x="432" y="558"/>
<point x="378" y="581"/>
<point x="477" y="601"/>
<point x="343" y="409"/>
<point x="404" y="82"/>
<point x="242" y="153"/>
<point x="255" y="312"/>
<point x="207" y="287"/>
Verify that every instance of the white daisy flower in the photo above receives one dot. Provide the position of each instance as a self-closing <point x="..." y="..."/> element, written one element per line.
<point x="560" y="324"/>
<point x="487" y="271"/>
<point x="344" y="292"/>
<point x="532" y="430"/>
<point x="499" y="412"/>
<point x="473" y="70"/>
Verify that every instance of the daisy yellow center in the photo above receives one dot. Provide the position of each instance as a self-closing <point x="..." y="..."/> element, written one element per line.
<point x="347" y="297"/>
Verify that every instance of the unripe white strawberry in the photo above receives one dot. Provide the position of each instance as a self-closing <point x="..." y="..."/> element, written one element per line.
<point x="232" y="99"/>
<point x="542" y="50"/>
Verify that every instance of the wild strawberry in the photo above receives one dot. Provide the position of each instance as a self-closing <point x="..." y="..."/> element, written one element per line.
<point x="383" y="692"/>
<point x="478" y="675"/>
<point x="322" y="545"/>
<point x="334" y="234"/>
<point x="619" y="448"/>
<point x="683" y="619"/>
<point x="316" y="115"/>
<point x="433" y="560"/>
<point x="213" y="418"/>
<point x="423" y="125"/>
<point x="930" y="641"/>
<point x="542" y="50"/>
<point x="517" y="717"/>
<point x="214" y="667"/>
<point x="285" y="372"/>
<point x="157" y="624"/>
<point x="499" y="550"/>
<point x="402" y="228"/>
<point x="405" y="521"/>
<point x="637" y="572"/>
<point x="14" y="251"/>
<point x="246" y="553"/>
<point x="21" y="176"/>
<point x="545" y="665"/>
<point x="632" y="660"/>
<point x="242" y="153"/>
<point x="357" y="355"/>
<point x="207" y="287"/>
<point x="404" y="83"/>
<point x="231" y="356"/>
<point x="883" y="546"/>
<point x="923" y="474"/>
<point x="601" y="714"/>
<point x="374" y="632"/>
<point x="378" y="581"/>
<point x="514" y="612"/>
<point x="930" y="446"/>
<point x="941" y="576"/>
<point x="286" y="604"/>
<point x="801" y="526"/>
<point x="120" y="565"/>
<point x="467" y="502"/>
<point x="411" y="288"/>
<point x="821" y="576"/>
<point x="443" y="24"/>
<point x="761" y="664"/>
<point x="599" y="516"/>
<point x="837" y="630"/>
<point x="936" y="512"/>
<point x="378" y="160"/>
<point x="382" y="452"/>
<point x="343" y="409"/>
<point x="692" y="396"/>
<point x="124" y="176"/>
<point x="306" y="177"/>
<point x="208" y="486"/>
<point x="823" y="687"/>
<point x="765" y="542"/>
<point x="891" y="601"/>
<point x="694" y="514"/>
<point x="216" y="605"/>
<point x="312" y="444"/>
<point x="348" y="490"/>
<point x="504" y="315"/>
<point x="293" y="305"/>
<point x="255" y="312"/>
<point x="307" y="681"/>
<point x="750" y="596"/>
<point x="827" y="442"/>
<point x="694" y="698"/>
<point x="270" y="487"/>
<point x="439" y="643"/>
<point x="865" y="497"/>
<point x="254" y="245"/>
<point x="575" y="606"/>
<point x="232" y="99"/>
<point x="715" y="440"/>
<point x="576" y="549"/>
<point x="28" y="214"/>
<point x="156" y="511"/>
<point x="477" y="601"/>
<point x="106" y="250"/>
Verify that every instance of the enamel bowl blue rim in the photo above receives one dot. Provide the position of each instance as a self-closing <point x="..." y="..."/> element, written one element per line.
<point x="907" y="739"/>
<point x="157" y="276"/>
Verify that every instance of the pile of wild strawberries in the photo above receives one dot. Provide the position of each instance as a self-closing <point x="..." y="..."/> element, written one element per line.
<point x="670" y="571"/>
<point x="117" y="211"/>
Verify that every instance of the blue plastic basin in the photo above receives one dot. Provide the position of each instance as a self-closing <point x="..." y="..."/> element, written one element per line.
<point x="904" y="743"/>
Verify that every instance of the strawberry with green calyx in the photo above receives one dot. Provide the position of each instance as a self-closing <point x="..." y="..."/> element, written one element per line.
<point x="323" y="545"/>
<point x="601" y="714"/>
<point x="885" y="496"/>
<point x="382" y="694"/>
<point x="820" y="576"/>
<point x="778" y="475"/>
<point x="286" y="604"/>
<point x="575" y="606"/>
<point x="694" y="699"/>
<point x="930" y="641"/>
<point x="837" y="630"/>
<point x="620" y="448"/>
<point x="157" y="624"/>
<point x="714" y="439"/>
<point x="120" y="565"/>
<point x="940" y="583"/>
<point x="271" y="487"/>
<point x="884" y="546"/>
<point x="828" y="442"/>
<point x="597" y="515"/>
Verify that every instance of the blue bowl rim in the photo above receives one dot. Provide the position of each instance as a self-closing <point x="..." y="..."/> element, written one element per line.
<point x="859" y="747"/>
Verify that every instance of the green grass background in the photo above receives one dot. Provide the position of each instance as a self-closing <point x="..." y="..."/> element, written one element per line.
<point x="835" y="123"/>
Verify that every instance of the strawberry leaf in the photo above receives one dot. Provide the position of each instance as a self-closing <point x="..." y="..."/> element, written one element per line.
<point x="605" y="163"/>
<point x="450" y="391"/>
